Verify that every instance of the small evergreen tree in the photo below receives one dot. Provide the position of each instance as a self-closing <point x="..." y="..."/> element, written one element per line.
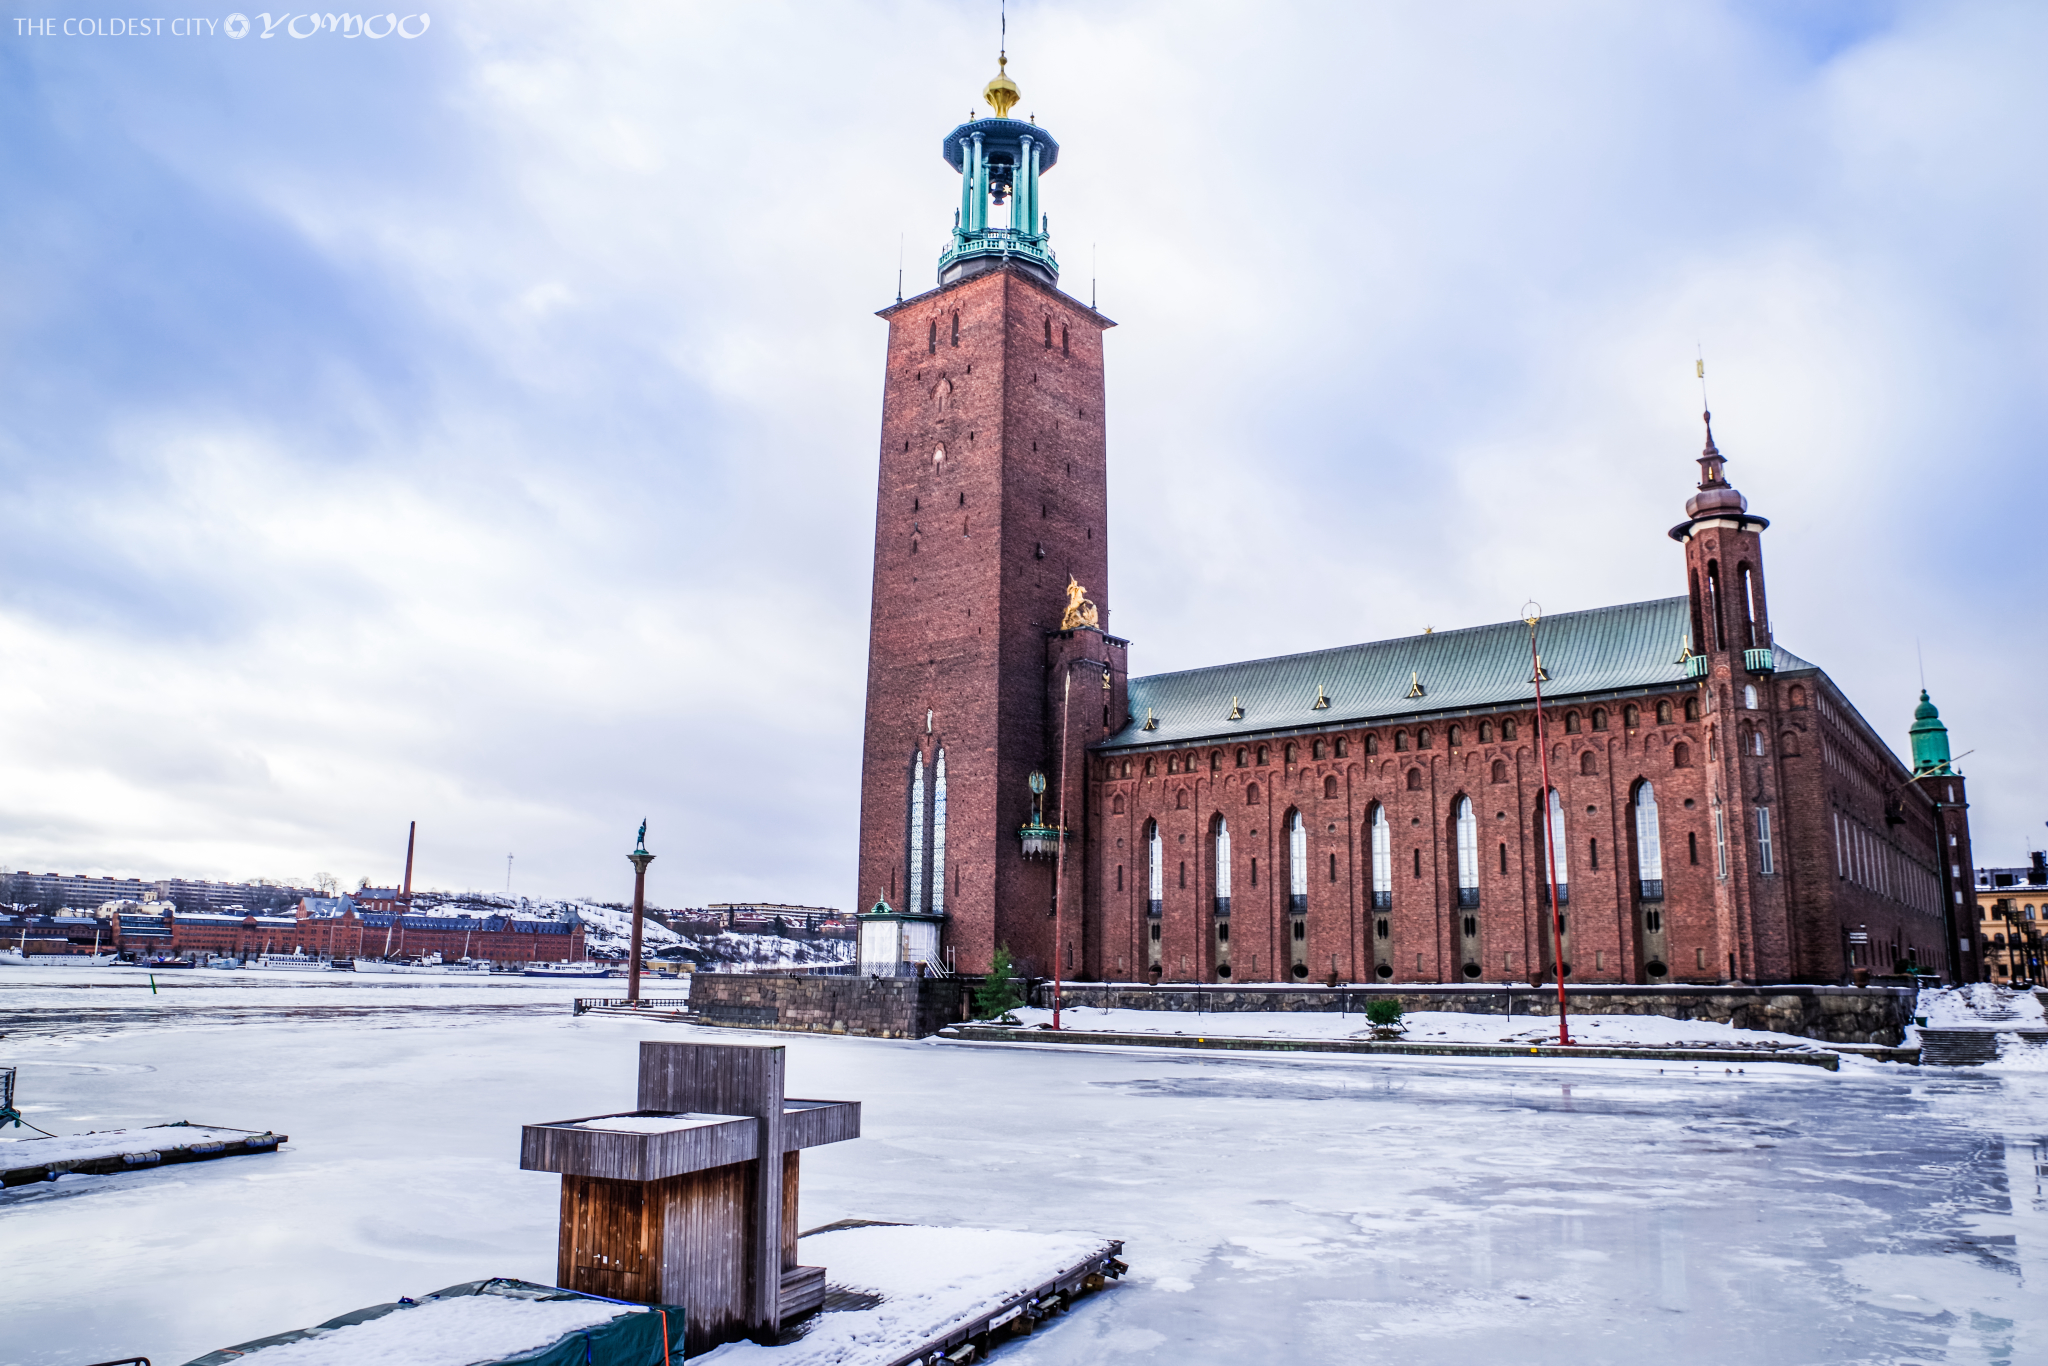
<point x="998" y="995"/>
<point x="1383" y="1013"/>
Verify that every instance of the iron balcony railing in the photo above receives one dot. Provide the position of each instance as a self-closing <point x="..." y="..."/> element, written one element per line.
<point x="1155" y="909"/>
<point x="1564" y="894"/>
<point x="1760" y="661"/>
<point x="999" y="242"/>
<point x="1652" y="888"/>
<point x="1223" y="908"/>
<point x="1297" y="904"/>
<point x="1383" y="901"/>
<point x="1468" y="898"/>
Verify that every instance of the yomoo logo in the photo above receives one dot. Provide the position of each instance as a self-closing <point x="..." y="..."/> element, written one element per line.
<point x="347" y="25"/>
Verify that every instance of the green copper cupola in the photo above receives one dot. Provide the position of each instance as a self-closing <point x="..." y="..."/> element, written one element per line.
<point x="1930" y="738"/>
<point x="999" y="161"/>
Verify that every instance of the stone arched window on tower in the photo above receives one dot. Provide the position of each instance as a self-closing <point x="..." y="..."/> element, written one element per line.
<point x="1467" y="827"/>
<point x="1507" y="729"/>
<point x="1754" y="632"/>
<point x="1649" y="845"/>
<point x="939" y="833"/>
<point x="1719" y="634"/>
<point x="1372" y="744"/>
<point x="1116" y="805"/>
<point x="1500" y="770"/>
<point x="1455" y="736"/>
<point x="1415" y="780"/>
<point x="1329" y="785"/>
<point x="1551" y="841"/>
<point x="1243" y="757"/>
<point x="1599" y="718"/>
<point x="1262" y="756"/>
<point x="938" y="460"/>
<point x="1631" y="716"/>
<point x="914" y="903"/>
<point x="1749" y="697"/>
<point x="1663" y="713"/>
<point x="1251" y="794"/>
<point x="1571" y="723"/>
<point x="1297" y="864"/>
<point x="1589" y="764"/>
<point x="1155" y="869"/>
<point x="1681" y="755"/>
<point x="1382" y="859"/>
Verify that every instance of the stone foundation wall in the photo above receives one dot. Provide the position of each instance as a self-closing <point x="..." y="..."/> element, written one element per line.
<point x="1876" y="1015"/>
<point x="878" y="1007"/>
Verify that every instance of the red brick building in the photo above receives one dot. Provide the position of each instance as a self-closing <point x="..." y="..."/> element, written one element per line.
<point x="1719" y="808"/>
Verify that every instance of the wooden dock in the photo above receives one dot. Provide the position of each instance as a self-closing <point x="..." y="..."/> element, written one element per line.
<point x="108" y="1151"/>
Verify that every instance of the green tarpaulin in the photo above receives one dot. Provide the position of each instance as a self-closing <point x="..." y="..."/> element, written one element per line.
<point x="628" y="1340"/>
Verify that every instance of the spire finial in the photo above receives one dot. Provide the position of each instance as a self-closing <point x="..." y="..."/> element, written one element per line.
<point x="1001" y="93"/>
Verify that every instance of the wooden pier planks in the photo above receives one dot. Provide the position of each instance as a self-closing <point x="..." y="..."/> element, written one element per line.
<point x="22" y="1162"/>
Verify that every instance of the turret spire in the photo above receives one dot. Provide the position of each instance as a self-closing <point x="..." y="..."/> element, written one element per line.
<point x="1716" y="494"/>
<point x="1929" y="737"/>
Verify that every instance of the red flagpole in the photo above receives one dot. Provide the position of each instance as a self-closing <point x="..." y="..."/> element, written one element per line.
<point x="1564" y="1036"/>
<point x="1059" y="876"/>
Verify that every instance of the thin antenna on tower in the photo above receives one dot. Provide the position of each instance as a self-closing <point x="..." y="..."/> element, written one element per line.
<point x="1003" y="11"/>
<point x="1091" y="275"/>
<point x="1923" y="663"/>
<point x="899" y="267"/>
<point x="508" y="875"/>
<point x="1699" y="367"/>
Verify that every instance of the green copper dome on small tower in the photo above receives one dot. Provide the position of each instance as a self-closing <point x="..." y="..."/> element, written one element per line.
<point x="1930" y="738"/>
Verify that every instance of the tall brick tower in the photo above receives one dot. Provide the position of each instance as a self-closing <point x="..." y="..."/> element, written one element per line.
<point x="986" y="676"/>
<point x="1731" y="653"/>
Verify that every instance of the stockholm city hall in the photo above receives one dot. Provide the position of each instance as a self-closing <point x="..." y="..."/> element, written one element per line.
<point x="1717" y="809"/>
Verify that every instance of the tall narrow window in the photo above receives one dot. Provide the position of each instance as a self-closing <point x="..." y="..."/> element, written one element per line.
<point x="1063" y="342"/>
<point x="1720" y="844"/>
<point x="1551" y="841"/>
<point x="1763" y="840"/>
<point x="956" y="329"/>
<point x="1649" y="852"/>
<point x="932" y="347"/>
<point x="1297" y="864"/>
<point x="1468" y="855"/>
<point x="915" y="902"/>
<point x="1155" y="869"/>
<point x="1714" y="605"/>
<point x="1382" y="860"/>
<point x="939" y="834"/>
<point x="1222" y="855"/>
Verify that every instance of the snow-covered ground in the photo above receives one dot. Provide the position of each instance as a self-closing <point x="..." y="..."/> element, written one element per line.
<point x="1433" y="1026"/>
<point x="1283" y="1207"/>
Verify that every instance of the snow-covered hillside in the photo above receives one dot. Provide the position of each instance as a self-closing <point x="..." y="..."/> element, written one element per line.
<point x="608" y="931"/>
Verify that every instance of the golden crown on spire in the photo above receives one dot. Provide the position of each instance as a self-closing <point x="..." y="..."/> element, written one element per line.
<point x="1001" y="93"/>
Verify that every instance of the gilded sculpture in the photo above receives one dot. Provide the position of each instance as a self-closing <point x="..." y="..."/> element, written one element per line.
<point x="1080" y="611"/>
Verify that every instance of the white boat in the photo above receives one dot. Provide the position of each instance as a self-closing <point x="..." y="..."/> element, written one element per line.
<point x="569" y="970"/>
<point x="410" y="969"/>
<point x="286" y="962"/>
<point x="73" y="960"/>
<point x="13" y="958"/>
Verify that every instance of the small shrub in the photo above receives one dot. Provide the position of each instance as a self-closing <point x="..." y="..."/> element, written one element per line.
<point x="1384" y="1012"/>
<point x="998" y="995"/>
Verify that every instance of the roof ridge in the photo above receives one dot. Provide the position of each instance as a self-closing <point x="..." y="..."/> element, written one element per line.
<point x="1420" y="636"/>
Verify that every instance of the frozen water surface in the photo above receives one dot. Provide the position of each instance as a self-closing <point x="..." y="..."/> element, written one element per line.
<point x="1275" y="1209"/>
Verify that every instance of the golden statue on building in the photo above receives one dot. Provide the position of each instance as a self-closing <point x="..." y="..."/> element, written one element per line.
<point x="1080" y="611"/>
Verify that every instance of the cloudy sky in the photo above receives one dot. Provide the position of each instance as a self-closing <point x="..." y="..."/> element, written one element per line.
<point x="479" y="427"/>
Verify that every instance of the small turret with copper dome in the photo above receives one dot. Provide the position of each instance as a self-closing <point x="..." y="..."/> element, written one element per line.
<point x="1000" y="161"/>
<point x="1716" y="496"/>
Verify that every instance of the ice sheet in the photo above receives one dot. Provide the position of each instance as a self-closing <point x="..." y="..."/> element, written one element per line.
<point x="33" y="1149"/>
<point x="1275" y="1207"/>
<point x="1423" y="1026"/>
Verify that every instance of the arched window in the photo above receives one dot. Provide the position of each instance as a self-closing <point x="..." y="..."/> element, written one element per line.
<point x="1251" y="794"/>
<point x="1297" y="864"/>
<point x="1546" y="843"/>
<point x="1372" y="744"/>
<point x="1797" y="696"/>
<point x="1222" y="865"/>
<point x="1290" y="754"/>
<point x="1500" y="770"/>
<point x="1173" y="763"/>
<point x="956" y="328"/>
<point x="1382" y="860"/>
<point x="1215" y="761"/>
<point x="1315" y="749"/>
<point x="1155" y="868"/>
<point x="1148" y="768"/>
<point x="932" y="346"/>
<point x="1422" y="738"/>
<point x="1343" y="747"/>
<point x="1756" y="743"/>
<point x="1749" y="697"/>
<point x="1649" y="849"/>
<point x="1127" y="768"/>
<point x="1400" y="742"/>
<point x="1262" y="756"/>
<point x="1468" y="855"/>
<point x="1631" y="716"/>
<point x="915" y="903"/>
<point x="1063" y="341"/>
<point x="1507" y="729"/>
<point x="1692" y="709"/>
<point x="1242" y="756"/>
<point x="1456" y="737"/>
<point x="1571" y="723"/>
<point x="939" y="834"/>
<point x="1599" y="718"/>
<point x="1663" y="713"/>
<point x="1681" y="755"/>
<point x="1486" y="732"/>
<point x="1330" y="785"/>
<point x="1048" y="334"/>
<point x="1415" y="780"/>
<point x="1180" y="800"/>
<point x="1588" y="764"/>
<point x="1116" y="805"/>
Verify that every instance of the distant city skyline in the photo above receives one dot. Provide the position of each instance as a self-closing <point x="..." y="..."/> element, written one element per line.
<point x="478" y="427"/>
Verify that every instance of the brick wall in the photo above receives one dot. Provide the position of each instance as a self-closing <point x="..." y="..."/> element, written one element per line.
<point x="878" y="1007"/>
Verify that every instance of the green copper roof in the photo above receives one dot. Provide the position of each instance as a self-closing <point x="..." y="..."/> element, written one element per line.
<point x="1634" y="645"/>
<point x="1930" y="737"/>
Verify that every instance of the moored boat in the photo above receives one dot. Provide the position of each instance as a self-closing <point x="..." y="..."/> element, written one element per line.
<point x="569" y="971"/>
<point x="286" y="962"/>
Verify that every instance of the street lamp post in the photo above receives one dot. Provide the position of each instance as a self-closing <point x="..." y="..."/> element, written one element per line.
<point x="640" y="859"/>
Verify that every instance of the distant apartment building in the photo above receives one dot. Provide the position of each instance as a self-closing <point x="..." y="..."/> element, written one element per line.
<point x="2012" y="917"/>
<point x="60" y="892"/>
